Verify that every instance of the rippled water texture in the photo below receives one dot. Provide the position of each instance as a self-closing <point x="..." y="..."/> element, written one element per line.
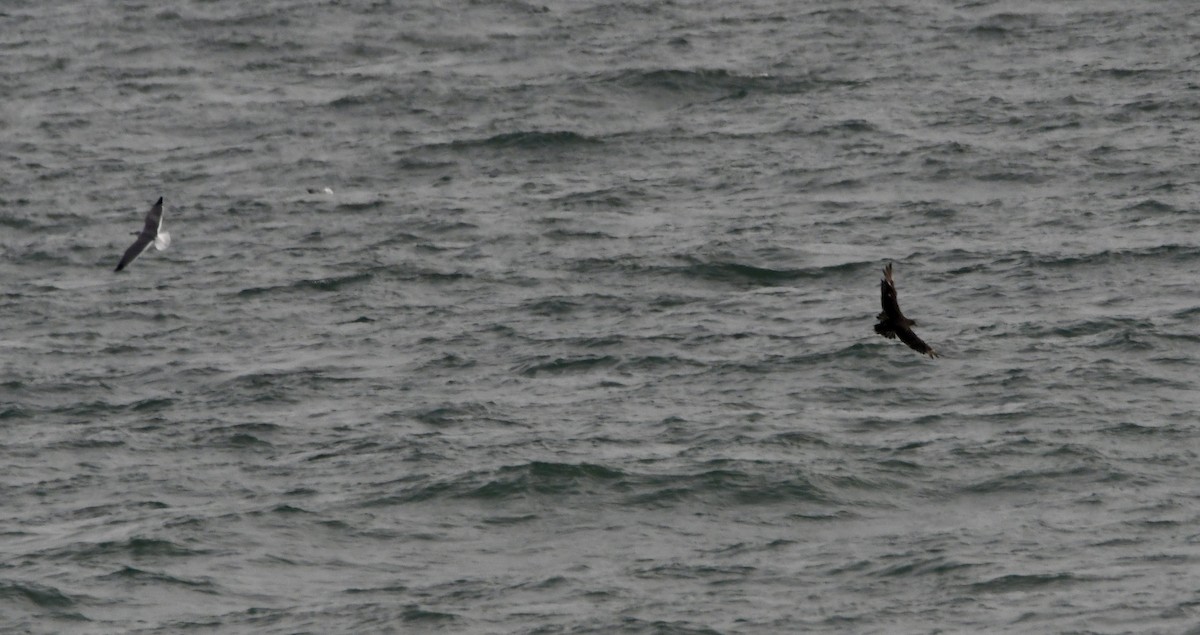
<point x="580" y="340"/>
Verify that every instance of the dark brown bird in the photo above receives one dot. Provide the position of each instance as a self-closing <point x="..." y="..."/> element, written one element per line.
<point x="892" y="323"/>
<point x="151" y="233"/>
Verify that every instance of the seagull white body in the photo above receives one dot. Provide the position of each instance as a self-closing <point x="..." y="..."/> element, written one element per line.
<point x="151" y="233"/>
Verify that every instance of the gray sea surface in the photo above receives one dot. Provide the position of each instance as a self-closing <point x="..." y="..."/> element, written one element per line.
<point x="581" y="339"/>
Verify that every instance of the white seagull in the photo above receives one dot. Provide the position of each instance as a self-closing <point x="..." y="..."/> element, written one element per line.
<point x="151" y="233"/>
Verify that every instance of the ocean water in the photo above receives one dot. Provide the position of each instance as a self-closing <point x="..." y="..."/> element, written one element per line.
<point x="581" y="340"/>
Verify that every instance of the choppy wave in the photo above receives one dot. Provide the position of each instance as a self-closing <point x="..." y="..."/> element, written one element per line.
<point x="580" y="340"/>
